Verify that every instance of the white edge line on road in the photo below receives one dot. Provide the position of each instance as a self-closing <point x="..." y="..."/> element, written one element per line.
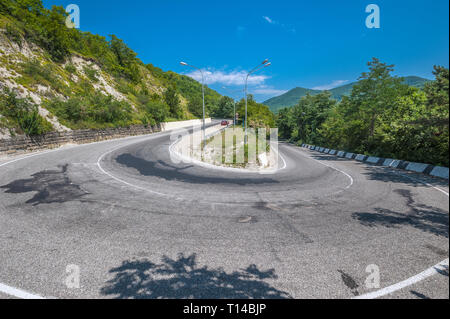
<point x="72" y="146"/>
<point x="18" y="293"/>
<point x="424" y="183"/>
<point x="414" y="279"/>
<point x="122" y="181"/>
<point x="443" y="265"/>
<point x="332" y="167"/>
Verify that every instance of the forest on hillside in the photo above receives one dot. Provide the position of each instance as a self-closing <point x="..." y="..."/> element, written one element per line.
<point x="151" y="95"/>
<point x="381" y="117"/>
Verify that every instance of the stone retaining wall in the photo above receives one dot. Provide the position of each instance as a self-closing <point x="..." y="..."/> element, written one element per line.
<point x="19" y="144"/>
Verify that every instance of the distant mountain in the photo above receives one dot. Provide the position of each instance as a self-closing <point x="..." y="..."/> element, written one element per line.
<point x="416" y="81"/>
<point x="291" y="97"/>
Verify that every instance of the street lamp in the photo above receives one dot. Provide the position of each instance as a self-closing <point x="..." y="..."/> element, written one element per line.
<point x="264" y="64"/>
<point x="203" y="97"/>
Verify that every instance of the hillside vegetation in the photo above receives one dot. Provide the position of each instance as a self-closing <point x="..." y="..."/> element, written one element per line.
<point x="292" y="97"/>
<point x="382" y="116"/>
<point x="58" y="78"/>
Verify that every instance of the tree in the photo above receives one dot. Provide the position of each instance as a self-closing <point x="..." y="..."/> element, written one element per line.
<point x="370" y="104"/>
<point x="225" y="108"/>
<point x="258" y="115"/>
<point x="172" y="100"/>
<point x="157" y="110"/>
<point x="438" y="97"/>
<point x="195" y="106"/>
<point x="284" y="121"/>
<point x="303" y="121"/>
<point x="126" y="59"/>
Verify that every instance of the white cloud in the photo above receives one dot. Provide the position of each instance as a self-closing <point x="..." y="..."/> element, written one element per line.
<point x="331" y="85"/>
<point x="268" y="91"/>
<point x="227" y="78"/>
<point x="285" y="27"/>
<point x="269" y="20"/>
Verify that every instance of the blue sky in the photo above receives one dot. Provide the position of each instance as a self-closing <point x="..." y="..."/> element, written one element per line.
<point x="313" y="44"/>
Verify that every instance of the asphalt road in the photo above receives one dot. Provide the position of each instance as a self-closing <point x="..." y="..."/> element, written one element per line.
<point x="137" y="225"/>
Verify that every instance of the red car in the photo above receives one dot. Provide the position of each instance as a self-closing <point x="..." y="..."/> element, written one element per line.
<point x="224" y="123"/>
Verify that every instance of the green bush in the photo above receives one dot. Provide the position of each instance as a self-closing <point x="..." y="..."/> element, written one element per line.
<point x="42" y="74"/>
<point x="71" y="68"/>
<point x="92" y="111"/>
<point x="13" y="34"/>
<point x="24" y="113"/>
<point x="157" y="110"/>
<point x="195" y="106"/>
<point x="91" y="73"/>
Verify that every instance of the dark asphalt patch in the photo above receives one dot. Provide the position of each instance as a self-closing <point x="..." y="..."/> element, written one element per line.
<point x="52" y="186"/>
<point x="174" y="173"/>
<point x="183" y="278"/>
<point x="349" y="282"/>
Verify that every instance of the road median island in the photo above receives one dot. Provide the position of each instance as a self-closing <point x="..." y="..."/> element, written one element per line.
<point x="226" y="149"/>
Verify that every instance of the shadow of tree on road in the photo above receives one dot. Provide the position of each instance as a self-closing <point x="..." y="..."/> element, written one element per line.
<point x="426" y="218"/>
<point x="182" y="278"/>
<point x="392" y="175"/>
<point x="443" y="272"/>
<point x="173" y="173"/>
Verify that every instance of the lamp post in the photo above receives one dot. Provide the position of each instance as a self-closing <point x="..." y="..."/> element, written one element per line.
<point x="203" y="98"/>
<point x="264" y="64"/>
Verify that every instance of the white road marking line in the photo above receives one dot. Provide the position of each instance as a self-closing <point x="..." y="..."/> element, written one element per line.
<point x="423" y="182"/>
<point x="124" y="182"/>
<point x="332" y="167"/>
<point x="18" y="292"/>
<point x="443" y="265"/>
<point x="25" y="157"/>
<point x="62" y="148"/>
<point x="412" y="280"/>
